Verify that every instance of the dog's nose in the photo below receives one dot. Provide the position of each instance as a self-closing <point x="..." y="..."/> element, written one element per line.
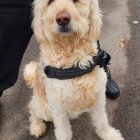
<point x="63" y="18"/>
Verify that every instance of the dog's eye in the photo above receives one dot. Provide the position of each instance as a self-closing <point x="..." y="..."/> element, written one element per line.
<point x="50" y="1"/>
<point x="75" y="1"/>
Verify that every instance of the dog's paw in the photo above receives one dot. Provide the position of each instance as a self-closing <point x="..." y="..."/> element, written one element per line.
<point x="111" y="134"/>
<point x="37" y="129"/>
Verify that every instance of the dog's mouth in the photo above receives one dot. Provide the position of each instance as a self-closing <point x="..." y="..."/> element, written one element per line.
<point x="64" y="29"/>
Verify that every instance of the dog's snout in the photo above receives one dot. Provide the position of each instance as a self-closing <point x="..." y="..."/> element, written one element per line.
<point x="63" y="18"/>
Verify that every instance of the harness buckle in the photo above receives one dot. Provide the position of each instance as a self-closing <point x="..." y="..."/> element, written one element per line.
<point x="102" y="59"/>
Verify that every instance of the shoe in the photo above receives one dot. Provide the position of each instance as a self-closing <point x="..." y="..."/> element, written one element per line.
<point x="112" y="88"/>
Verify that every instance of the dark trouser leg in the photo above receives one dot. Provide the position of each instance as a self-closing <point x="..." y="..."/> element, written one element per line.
<point x="15" y="33"/>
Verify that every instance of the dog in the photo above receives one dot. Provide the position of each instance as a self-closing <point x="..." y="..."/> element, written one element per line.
<point x="67" y="31"/>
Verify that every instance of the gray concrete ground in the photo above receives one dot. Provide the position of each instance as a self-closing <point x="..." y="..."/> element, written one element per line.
<point x="124" y="113"/>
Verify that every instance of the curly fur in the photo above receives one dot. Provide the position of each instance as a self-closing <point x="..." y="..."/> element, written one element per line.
<point x="57" y="100"/>
<point x="29" y="73"/>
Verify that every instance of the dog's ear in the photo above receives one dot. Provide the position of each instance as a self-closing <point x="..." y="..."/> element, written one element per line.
<point x="95" y="20"/>
<point x="37" y="23"/>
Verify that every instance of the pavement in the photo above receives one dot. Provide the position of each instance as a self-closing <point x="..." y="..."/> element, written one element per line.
<point x="124" y="113"/>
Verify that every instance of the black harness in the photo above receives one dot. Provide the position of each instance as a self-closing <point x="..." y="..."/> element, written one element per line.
<point x="102" y="59"/>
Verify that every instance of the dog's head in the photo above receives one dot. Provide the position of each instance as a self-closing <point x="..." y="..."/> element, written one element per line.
<point x="66" y="19"/>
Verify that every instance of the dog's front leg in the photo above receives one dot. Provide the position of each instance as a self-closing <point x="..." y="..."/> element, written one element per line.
<point x="100" y="121"/>
<point x="37" y="126"/>
<point x="62" y="124"/>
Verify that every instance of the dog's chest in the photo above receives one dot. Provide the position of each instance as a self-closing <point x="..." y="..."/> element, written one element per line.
<point x="76" y="95"/>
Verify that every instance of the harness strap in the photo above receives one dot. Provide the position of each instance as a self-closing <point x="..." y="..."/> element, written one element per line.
<point x="102" y="59"/>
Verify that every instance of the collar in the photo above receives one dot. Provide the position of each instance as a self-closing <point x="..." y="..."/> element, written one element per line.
<point x="102" y="59"/>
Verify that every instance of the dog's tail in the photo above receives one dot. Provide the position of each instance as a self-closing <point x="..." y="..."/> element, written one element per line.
<point x="30" y="73"/>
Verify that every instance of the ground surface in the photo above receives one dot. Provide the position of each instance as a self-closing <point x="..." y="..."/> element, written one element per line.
<point x="124" y="113"/>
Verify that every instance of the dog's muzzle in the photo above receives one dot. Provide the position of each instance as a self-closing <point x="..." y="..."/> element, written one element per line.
<point x="63" y="20"/>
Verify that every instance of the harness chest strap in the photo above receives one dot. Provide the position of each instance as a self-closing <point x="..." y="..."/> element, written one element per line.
<point x="102" y="59"/>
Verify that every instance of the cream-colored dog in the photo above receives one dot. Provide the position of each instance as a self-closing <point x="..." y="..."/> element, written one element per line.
<point x="67" y="31"/>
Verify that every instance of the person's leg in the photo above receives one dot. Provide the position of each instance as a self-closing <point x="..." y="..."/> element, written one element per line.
<point x="15" y="33"/>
